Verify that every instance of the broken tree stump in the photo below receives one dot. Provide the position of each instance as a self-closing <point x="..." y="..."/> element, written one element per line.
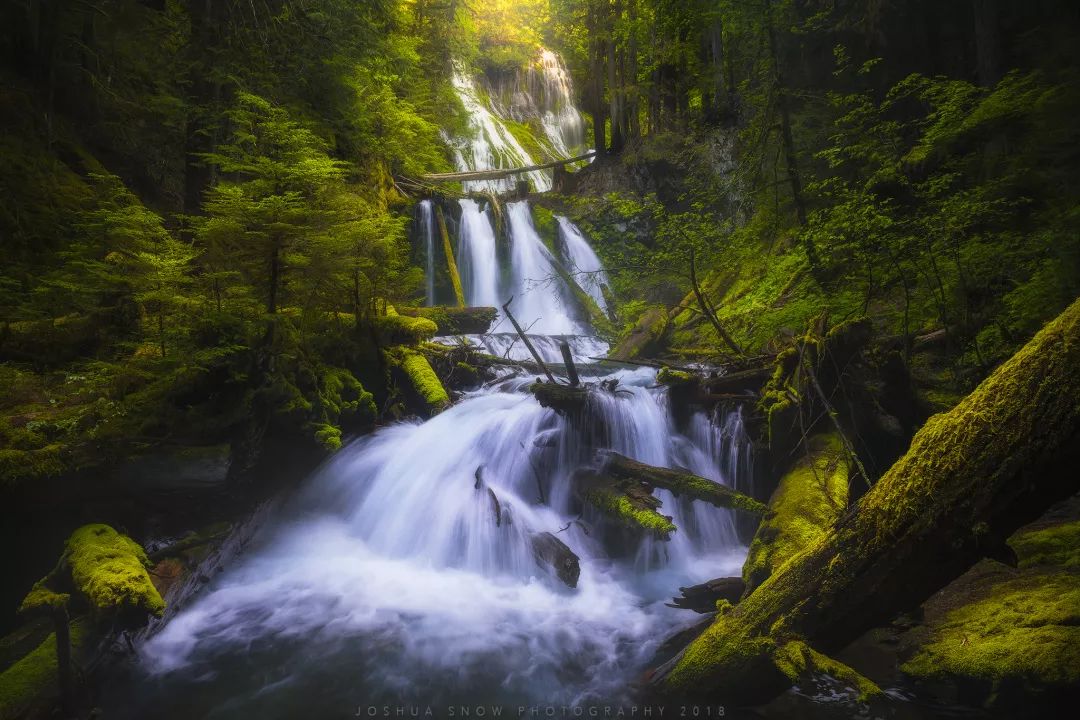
<point x="560" y="398"/>
<point x="551" y="552"/>
<point x="703" y="598"/>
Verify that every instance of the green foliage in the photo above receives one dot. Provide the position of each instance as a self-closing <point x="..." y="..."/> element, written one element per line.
<point x="32" y="679"/>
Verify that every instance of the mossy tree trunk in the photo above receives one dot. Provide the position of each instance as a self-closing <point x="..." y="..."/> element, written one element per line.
<point x="971" y="477"/>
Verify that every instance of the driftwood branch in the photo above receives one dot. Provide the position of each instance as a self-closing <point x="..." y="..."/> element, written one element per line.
<point x="525" y="339"/>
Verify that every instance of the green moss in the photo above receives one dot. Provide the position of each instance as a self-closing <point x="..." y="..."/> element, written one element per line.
<point x="403" y="330"/>
<point x="1057" y="544"/>
<point x="796" y="659"/>
<point x="622" y="508"/>
<point x="19" y="466"/>
<point x="529" y="140"/>
<point x="1026" y="628"/>
<point x="110" y="570"/>
<point x="41" y="597"/>
<point x="809" y="500"/>
<point x="455" y="320"/>
<point x="416" y="368"/>
<point x="670" y="376"/>
<point x="32" y="680"/>
<point x="727" y="641"/>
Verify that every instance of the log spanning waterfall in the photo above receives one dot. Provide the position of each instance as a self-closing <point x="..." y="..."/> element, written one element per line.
<point x="406" y="571"/>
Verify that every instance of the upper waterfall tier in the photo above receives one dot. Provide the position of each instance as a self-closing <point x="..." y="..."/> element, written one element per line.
<point x="538" y="100"/>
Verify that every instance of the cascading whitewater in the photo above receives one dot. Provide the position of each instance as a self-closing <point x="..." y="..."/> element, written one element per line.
<point x="489" y="144"/>
<point x="477" y="257"/>
<point x="541" y="300"/>
<point x="391" y="579"/>
<point x="543" y="93"/>
<point x="581" y="261"/>
<point x="403" y="574"/>
<point x="427" y="229"/>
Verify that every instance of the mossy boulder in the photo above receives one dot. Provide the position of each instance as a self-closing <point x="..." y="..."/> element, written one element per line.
<point x="404" y="330"/>
<point x="805" y="506"/>
<point x="1009" y="634"/>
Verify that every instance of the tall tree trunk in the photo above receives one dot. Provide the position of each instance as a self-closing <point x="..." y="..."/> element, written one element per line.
<point x="614" y="91"/>
<point x="987" y="42"/>
<point x="596" y="80"/>
<point x="630" y="81"/>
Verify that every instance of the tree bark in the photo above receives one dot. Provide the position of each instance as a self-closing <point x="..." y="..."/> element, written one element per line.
<point x="971" y="477"/>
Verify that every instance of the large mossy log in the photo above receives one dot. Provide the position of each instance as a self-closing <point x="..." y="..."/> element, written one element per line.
<point x="811" y="497"/>
<point x="678" y="482"/>
<point x="455" y="320"/>
<point x="971" y="477"/>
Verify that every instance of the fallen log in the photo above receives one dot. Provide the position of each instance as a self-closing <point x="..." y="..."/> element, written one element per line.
<point x="560" y="398"/>
<point x="455" y="320"/>
<point x="678" y="482"/>
<point x="551" y="552"/>
<point x="971" y="477"/>
<point x="739" y="382"/>
<point x="703" y="598"/>
<point x="628" y="503"/>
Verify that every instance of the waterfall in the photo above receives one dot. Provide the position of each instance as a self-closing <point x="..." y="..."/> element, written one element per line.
<point x="391" y="579"/>
<point x="427" y="225"/>
<point x="404" y="571"/>
<point x="543" y="94"/>
<point x="541" y="302"/>
<point x="477" y="258"/>
<point x="489" y="144"/>
<point x="581" y="261"/>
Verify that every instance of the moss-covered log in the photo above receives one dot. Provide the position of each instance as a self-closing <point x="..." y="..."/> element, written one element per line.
<point x="448" y="253"/>
<point x="455" y="320"/>
<point x="627" y="503"/>
<point x="404" y="330"/>
<point x="413" y="367"/>
<point x="560" y="398"/>
<point x="971" y="477"/>
<point x="678" y="482"/>
<point x="805" y="506"/>
<point x="102" y="567"/>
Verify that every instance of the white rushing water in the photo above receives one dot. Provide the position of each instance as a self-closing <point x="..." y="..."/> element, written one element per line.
<point x="390" y="578"/>
<point x="581" y="261"/>
<point x="427" y="229"/>
<point x="489" y="144"/>
<point x="404" y="572"/>
<point x="543" y="95"/>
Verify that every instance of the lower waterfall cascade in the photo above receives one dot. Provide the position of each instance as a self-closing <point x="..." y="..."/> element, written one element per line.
<point x="388" y="580"/>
